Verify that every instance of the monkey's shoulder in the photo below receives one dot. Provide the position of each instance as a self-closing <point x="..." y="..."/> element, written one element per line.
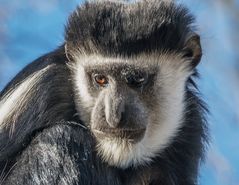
<point x="56" y="60"/>
<point x="65" y="155"/>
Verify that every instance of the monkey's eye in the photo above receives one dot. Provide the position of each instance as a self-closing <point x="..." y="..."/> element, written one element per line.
<point x="101" y="80"/>
<point x="137" y="79"/>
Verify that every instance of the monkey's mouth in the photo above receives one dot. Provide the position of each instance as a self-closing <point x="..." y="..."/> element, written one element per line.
<point x="132" y="135"/>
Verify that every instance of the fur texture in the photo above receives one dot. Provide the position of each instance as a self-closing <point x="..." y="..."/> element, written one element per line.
<point x="50" y="110"/>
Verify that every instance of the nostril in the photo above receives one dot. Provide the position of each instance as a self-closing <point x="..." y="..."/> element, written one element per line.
<point x="122" y="120"/>
<point x="122" y="117"/>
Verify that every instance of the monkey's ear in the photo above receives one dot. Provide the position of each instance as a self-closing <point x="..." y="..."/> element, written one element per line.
<point x="192" y="49"/>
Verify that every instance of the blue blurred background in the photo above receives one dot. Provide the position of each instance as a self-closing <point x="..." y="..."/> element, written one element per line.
<point x="30" y="28"/>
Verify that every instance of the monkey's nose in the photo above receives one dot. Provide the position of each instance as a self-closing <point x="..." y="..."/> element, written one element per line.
<point x="114" y="120"/>
<point x="114" y="108"/>
<point x="114" y="114"/>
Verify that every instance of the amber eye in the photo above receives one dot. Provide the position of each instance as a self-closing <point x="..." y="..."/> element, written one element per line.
<point x="100" y="79"/>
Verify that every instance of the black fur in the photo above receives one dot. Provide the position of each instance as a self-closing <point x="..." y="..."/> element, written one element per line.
<point x="122" y="29"/>
<point x="50" y="145"/>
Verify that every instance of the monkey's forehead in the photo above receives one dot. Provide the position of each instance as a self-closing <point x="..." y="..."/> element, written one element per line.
<point x="95" y="62"/>
<point x="128" y="28"/>
<point x="145" y="62"/>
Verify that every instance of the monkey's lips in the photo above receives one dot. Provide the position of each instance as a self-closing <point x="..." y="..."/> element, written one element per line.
<point x="132" y="135"/>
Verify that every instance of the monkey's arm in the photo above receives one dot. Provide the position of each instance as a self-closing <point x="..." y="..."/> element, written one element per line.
<point x="38" y="96"/>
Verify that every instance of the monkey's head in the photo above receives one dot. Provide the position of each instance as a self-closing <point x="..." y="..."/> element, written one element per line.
<point x="131" y="64"/>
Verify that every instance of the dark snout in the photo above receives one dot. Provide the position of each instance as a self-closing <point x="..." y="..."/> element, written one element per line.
<point x="119" y="116"/>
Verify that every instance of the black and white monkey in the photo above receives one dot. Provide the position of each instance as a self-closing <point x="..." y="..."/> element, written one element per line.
<point x="116" y="104"/>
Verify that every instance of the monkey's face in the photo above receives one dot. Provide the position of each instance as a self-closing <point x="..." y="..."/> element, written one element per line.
<point x="133" y="106"/>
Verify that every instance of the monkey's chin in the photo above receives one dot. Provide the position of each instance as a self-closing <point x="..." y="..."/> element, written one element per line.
<point x="121" y="152"/>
